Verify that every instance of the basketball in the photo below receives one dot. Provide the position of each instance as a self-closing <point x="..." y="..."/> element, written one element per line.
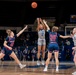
<point x="34" y="5"/>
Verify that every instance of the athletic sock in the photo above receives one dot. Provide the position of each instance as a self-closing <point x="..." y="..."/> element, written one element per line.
<point x="46" y="67"/>
<point x="20" y="64"/>
<point x="57" y="67"/>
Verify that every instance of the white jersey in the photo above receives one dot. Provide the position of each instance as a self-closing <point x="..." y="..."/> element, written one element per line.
<point x="74" y="39"/>
<point x="41" y="34"/>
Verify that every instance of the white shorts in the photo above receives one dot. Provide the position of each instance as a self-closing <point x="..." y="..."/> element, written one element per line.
<point x="41" y="42"/>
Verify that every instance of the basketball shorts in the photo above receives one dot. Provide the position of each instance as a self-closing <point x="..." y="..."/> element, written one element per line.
<point x="41" y="42"/>
<point x="6" y="51"/>
<point x="53" y="47"/>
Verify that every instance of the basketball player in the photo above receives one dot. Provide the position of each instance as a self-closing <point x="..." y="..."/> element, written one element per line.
<point x="74" y="48"/>
<point x="41" y="40"/>
<point x="8" y="46"/>
<point x="53" y="45"/>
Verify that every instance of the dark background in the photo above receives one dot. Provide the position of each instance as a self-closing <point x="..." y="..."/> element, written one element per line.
<point x="20" y="12"/>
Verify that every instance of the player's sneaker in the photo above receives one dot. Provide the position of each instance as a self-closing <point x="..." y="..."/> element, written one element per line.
<point x="45" y="69"/>
<point x="22" y="66"/>
<point x="43" y="63"/>
<point x="38" y="63"/>
<point x="74" y="73"/>
<point x="57" y="70"/>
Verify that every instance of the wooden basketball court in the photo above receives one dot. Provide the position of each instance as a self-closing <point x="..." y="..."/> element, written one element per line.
<point x="11" y="68"/>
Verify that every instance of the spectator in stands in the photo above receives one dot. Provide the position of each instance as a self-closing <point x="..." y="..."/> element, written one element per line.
<point x="61" y="27"/>
<point x="67" y="42"/>
<point x="35" y="42"/>
<point x="16" y="51"/>
<point x="20" y="54"/>
<point x="27" y="41"/>
<point x="68" y="57"/>
<point x="65" y="24"/>
<point x="25" y="53"/>
<point x="29" y="55"/>
<point x="33" y="52"/>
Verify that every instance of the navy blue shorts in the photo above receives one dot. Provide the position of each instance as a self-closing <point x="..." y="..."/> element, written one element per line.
<point x="6" y="51"/>
<point x="53" y="47"/>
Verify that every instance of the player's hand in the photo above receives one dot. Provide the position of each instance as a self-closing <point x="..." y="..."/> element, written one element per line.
<point x="74" y="48"/>
<point x="37" y="19"/>
<point x="72" y="35"/>
<point x="40" y="19"/>
<point x="44" y="21"/>
<point x="10" y="48"/>
<point x="26" y="27"/>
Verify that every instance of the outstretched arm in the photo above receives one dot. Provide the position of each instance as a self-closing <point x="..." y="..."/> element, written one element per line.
<point x="46" y="25"/>
<point x="74" y="48"/>
<point x="64" y="37"/>
<point x="18" y="34"/>
<point x="38" y="23"/>
<point x="41" y="21"/>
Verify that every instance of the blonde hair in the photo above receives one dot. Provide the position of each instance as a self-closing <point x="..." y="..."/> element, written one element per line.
<point x="55" y="28"/>
<point x="8" y="31"/>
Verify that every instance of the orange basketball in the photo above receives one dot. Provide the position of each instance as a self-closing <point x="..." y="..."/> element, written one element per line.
<point x="34" y="5"/>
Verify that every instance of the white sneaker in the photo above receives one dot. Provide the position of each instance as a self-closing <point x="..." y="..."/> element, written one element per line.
<point x="43" y="63"/>
<point x="57" y="70"/>
<point x="22" y="66"/>
<point x="38" y="63"/>
<point x="74" y="73"/>
<point x="45" y="69"/>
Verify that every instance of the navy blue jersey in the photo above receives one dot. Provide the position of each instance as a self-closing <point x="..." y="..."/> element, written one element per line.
<point x="53" y="36"/>
<point x="10" y="41"/>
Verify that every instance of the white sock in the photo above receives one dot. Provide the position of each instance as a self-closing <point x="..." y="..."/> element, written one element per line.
<point x="20" y="64"/>
<point x="46" y="66"/>
<point x="57" y="67"/>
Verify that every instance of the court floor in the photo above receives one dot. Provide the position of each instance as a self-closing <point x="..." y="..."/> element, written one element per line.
<point x="11" y="68"/>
